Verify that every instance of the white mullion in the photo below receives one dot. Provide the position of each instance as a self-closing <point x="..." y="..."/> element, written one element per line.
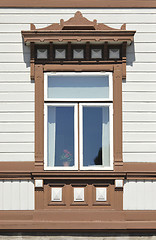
<point x="103" y="136"/>
<point x="81" y="134"/>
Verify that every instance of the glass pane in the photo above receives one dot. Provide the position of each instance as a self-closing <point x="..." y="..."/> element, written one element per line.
<point x="94" y="86"/>
<point x="60" y="136"/>
<point x="96" y="136"/>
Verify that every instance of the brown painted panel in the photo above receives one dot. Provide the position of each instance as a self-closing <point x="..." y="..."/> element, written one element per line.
<point x="79" y="3"/>
<point x="39" y="116"/>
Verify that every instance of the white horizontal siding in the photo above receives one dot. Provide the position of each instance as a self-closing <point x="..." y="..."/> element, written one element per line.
<point x="17" y="91"/>
<point x="15" y="157"/>
<point x="139" y="107"/>
<point x="139" y="117"/>
<point x="134" y="137"/>
<point x="141" y="96"/>
<point x="17" y="195"/>
<point x="16" y="106"/>
<point x="16" y="127"/>
<point x="9" y="77"/>
<point x="17" y="137"/>
<point x="139" y="157"/>
<point x="14" y="97"/>
<point x="16" y="116"/>
<point x="139" y="195"/>
<point x="17" y="147"/>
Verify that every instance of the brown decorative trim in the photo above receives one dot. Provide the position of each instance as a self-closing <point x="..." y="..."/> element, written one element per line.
<point x="78" y="68"/>
<point x="131" y="170"/>
<point x="78" y="220"/>
<point x="78" y="22"/>
<point x="117" y="117"/>
<point x="84" y="30"/>
<point x="78" y="4"/>
<point x="39" y="116"/>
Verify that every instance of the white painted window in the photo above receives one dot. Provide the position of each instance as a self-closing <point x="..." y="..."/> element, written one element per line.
<point x="78" y="121"/>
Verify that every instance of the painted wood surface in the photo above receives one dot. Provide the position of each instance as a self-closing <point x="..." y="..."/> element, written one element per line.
<point x="16" y="195"/>
<point x="17" y="90"/>
<point x="139" y="195"/>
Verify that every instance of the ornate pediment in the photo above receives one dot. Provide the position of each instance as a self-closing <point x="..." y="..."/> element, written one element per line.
<point x="78" y="29"/>
<point x="78" y="22"/>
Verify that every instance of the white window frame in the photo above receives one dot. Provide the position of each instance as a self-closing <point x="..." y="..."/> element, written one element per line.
<point x="78" y="74"/>
<point x="46" y="167"/>
<point x="95" y="167"/>
<point x="82" y="102"/>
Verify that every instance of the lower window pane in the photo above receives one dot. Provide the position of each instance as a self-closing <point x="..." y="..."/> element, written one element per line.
<point x="96" y="136"/>
<point x="60" y="136"/>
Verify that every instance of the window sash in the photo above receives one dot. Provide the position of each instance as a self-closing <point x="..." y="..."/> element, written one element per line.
<point x="74" y="74"/>
<point x="96" y="167"/>
<point x="78" y="122"/>
<point x="46" y="167"/>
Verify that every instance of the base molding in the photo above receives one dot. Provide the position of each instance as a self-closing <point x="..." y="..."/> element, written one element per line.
<point x="78" y="220"/>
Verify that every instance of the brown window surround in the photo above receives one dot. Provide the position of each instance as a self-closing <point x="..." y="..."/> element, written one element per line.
<point x="90" y="33"/>
<point x="79" y="4"/>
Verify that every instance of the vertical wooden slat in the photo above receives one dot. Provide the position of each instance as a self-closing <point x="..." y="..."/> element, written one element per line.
<point x="117" y="118"/>
<point x="87" y="51"/>
<point x="31" y="193"/>
<point x="140" y="193"/>
<point x="39" y="116"/>
<point x="1" y="194"/>
<point x="51" y="52"/>
<point x="23" y="194"/>
<point x="105" y="51"/>
<point x="69" y="51"/>
<point x="16" y="195"/>
<point x="154" y="195"/>
<point x="7" y="195"/>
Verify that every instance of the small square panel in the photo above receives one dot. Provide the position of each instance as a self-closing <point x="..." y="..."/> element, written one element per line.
<point x="56" y="194"/>
<point x="118" y="183"/>
<point x="96" y="53"/>
<point x="78" y="53"/>
<point x="114" y="53"/>
<point x="60" y="53"/>
<point x="42" y="53"/>
<point x="101" y="194"/>
<point x="78" y="194"/>
<point x="39" y="183"/>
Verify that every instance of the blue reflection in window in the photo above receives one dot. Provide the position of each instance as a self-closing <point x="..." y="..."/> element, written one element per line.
<point x="61" y="136"/>
<point x="92" y="136"/>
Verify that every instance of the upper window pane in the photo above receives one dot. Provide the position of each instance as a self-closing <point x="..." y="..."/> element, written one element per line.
<point x="79" y="86"/>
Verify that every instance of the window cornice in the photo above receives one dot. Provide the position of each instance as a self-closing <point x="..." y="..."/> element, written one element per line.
<point x="78" y="30"/>
<point x="84" y="30"/>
